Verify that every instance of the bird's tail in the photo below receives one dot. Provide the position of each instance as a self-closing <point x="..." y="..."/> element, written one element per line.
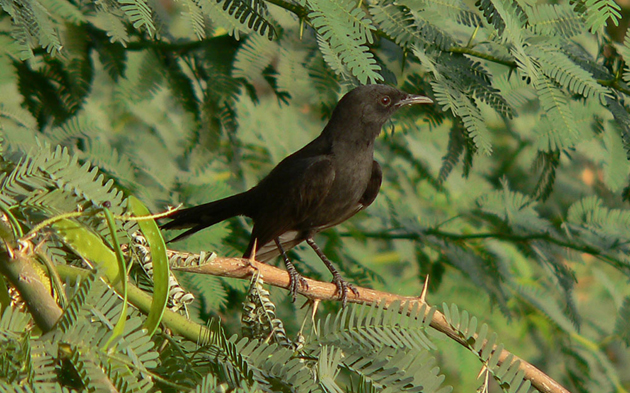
<point x="199" y="217"/>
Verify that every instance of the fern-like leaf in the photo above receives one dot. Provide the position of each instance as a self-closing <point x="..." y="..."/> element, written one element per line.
<point x="622" y="325"/>
<point x="622" y="118"/>
<point x="508" y="374"/>
<point x="253" y="57"/>
<point x="616" y="166"/>
<point x="328" y="368"/>
<point x="624" y="51"/>
<point x="71" y="313"/>
<point x="559" y="67"/>
<point x="139" y="13"/>
<point x="514" y="90"/>
<point x="599" y="12"/>
<point x="463" y="107"/>
<point x="600" y="226"/>
<point x="471" y="77"/>
<point x="398" y="23"/>
<point x="111" y="162"/>
<point x="333" y="60"/>
<point x="372" y="326"/>
<point x="555" y="19"/>
<point x="502" y="15"/>
<point x="64" y="10"/>
<point x="514" y="208"/>
<point x="542" y="300"/>
<point x="454" y="150"/>
<point x="560" y="131"/>
<point x="112" y="20"/>
<point x="451" y="8"/>
<point x="548" y="164"/>
<point x="431" y="33"/>
<point x="32" y="23"/>
<point x="331" y="19"/>
<point x="251" y="13"/>
<point x="194" y="14"/>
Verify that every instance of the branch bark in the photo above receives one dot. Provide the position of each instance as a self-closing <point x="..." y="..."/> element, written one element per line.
<point x="22" y="271"/>
<point x="318" y="290"/>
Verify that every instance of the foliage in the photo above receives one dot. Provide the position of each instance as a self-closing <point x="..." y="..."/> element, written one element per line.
<point x="509" y="192"/>
<point x="76" y="354"/>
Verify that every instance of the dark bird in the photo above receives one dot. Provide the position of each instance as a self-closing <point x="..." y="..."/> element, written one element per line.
<point x="317" y="187"/>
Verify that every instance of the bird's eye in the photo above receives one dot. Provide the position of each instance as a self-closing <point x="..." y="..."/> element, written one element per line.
<point x="385" y="100"/>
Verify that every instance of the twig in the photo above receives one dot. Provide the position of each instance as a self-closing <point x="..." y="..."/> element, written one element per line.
<point x="497" y="235"/>
<point x="481" y="55"/>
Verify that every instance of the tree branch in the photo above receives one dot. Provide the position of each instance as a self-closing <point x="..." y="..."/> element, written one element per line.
<point x="299" y="11"/>
<point x="481" y="55"/>
<point x="317" y="290"/>
<point x="21" y="270"/>
<point x="497" y="235"/>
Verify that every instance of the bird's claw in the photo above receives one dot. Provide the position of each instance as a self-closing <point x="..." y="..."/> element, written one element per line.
<point x="342" y="288"/>
<point x="296" y="280"/>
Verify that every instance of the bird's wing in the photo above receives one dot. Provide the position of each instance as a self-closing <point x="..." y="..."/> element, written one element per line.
<point x="369" y="195"/>
<point x="288" y="201"/>
<point x="373" y="187"/>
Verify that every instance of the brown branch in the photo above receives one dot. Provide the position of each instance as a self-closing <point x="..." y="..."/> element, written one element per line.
<point x="318" y="290"/>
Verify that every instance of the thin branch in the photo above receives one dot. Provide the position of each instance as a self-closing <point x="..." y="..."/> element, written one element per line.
<point x="497" y="235"/>
<point x="481" y="55"/>
<point x="179" y="47"/>
<point x="614" y="83"/>
<point x="299" y="11"/>
<point x="317" y="290"/>
<point x="19" y="267"/>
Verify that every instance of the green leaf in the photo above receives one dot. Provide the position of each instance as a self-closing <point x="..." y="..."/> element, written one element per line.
<point x="328" y="368"/>
<point x="624" y="51"/>
<point x="552" y="19"/>
<point x="558" y="130"/>
<point x="119" y="328"/>
<point x="346" y="29"/>
<point x="622" y="325"/>
<point x="160" y="264"/>
<point x="453" y="99"/>
<point x="139" y="13"/>
<point x="514" y="208"/>
<point x="89" y="246"/>
<point x="599" y="12"/>
<point x="616" y="167"/>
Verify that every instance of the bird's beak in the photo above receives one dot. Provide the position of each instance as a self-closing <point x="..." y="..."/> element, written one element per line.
<point x="413" y="99"/>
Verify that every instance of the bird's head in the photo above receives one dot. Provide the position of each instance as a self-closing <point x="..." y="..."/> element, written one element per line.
<point x="373" y="105"/>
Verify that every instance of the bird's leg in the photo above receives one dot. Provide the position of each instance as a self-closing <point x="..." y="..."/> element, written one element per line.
<point x="342" y="285"/>
<point x="295" y="278"/>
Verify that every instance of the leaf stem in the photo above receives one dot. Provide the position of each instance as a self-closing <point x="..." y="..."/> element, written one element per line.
<point x="298" y="10"/>
<point x="496" y="235"/>
<point x="481" y="55"/>
<point x="614" y="83"/>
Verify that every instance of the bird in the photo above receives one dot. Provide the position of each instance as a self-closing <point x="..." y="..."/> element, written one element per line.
<point x="318" y="187"/>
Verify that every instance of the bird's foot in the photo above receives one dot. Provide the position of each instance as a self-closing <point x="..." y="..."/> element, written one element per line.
<point x="342" y="288"/>
<point x="295" y="278"/>
<point x="295" y="281"/>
